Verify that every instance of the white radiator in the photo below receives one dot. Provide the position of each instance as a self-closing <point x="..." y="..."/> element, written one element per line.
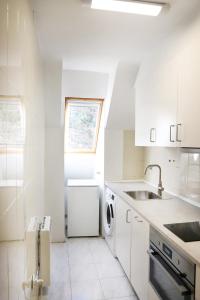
<point x="38" y="254"/>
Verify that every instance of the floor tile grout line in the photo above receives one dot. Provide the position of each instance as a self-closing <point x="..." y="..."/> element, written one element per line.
<point x="70" y="283"/>
<point x="91" y="252"/>
<point x="8" y="271"/>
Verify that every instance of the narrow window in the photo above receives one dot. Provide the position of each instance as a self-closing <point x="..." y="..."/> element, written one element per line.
<point x="82" y="121"/>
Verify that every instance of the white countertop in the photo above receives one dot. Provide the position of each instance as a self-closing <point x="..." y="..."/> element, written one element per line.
<point x="159" y="212"/>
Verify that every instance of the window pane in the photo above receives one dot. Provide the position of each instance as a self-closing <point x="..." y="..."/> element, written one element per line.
<point x="11" y="123"/>
<point x="82" y="125"/>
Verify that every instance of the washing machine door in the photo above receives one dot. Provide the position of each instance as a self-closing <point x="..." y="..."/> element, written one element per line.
<point x="109" y="218"/>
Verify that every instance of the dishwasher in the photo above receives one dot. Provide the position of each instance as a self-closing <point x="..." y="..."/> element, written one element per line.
<point x="171" y="275"/>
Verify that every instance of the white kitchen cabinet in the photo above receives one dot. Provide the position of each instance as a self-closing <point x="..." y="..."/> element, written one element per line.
<point x="167" y="97"/>
<point x="123" y="234"/>
<point x="189" y="95"/>
<point x="139" y="256"/>
<point x="145" y="122"/>
<point x="156" y="103"/>
<point x="82" y="208"/>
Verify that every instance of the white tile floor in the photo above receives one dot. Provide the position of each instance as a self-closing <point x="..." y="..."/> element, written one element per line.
<point x="82" y="269"/>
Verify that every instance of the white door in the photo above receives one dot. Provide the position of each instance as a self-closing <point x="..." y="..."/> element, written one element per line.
<point x="139" y="256"/>
<point x="123" y="234"/>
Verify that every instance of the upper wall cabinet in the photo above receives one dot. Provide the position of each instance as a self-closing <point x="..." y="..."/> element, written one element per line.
<point x="189" y="96"/>
<point x="156" y="103"/>
<point x="167" y="98"/>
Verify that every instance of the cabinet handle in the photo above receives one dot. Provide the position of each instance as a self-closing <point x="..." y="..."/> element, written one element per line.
<point x="127" y="216"/>
<point x="177" y="133"/>
<point x="171" y="140"/>
<point x="139" y="221"/>
<point x="151" y="134"/>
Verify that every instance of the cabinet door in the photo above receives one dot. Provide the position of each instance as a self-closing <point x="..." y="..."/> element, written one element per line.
<point x="123" y="234"/>
<point x="189" y="104"/>
<point x="145" y="110"/>
<point x="166" y="101"/>
<point x="83" y="211"/>
<point x="139" y="256"/>
<point x="157" y="101"/>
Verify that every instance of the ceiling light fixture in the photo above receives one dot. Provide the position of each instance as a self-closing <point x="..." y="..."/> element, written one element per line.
<point x="132" y="7"/>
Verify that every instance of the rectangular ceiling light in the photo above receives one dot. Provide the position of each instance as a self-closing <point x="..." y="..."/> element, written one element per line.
<point x="132" y="7"/>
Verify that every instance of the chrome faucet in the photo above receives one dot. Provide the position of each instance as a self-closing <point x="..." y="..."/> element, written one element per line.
<point x="160" y="186"/>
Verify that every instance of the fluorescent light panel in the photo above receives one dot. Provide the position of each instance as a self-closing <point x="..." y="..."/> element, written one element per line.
<point x="132" y="7"/>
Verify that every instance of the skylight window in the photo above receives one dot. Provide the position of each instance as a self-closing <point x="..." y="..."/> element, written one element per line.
<point x="82" y="121"/>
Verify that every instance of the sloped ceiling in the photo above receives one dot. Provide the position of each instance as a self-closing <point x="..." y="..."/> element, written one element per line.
<point x="92" y="40"/>
<point x="121" y="113"/>
<point x="87" y="39"/>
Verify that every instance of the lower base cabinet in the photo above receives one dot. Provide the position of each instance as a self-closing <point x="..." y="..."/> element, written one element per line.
<point x="139" y="256"/>
<point x="123" y="234"/>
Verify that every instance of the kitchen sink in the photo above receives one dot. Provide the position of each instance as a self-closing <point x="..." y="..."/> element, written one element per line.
<point x="187" y="232"/>
<point x="142" y="195"/>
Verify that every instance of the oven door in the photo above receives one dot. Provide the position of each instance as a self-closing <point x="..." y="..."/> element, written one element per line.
<point x="166" y="282"/>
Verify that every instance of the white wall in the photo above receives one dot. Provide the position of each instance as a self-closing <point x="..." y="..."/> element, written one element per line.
<point x="84" y="84"/>
<point x="133" y="157"/>
<point x="113" y="154"/>
<point x="123" y="161"/>
<point x="79" y="166"/>
<point x="121" y="111"/>
<point x="21" y="74"/>
<point x="54" y="149"/>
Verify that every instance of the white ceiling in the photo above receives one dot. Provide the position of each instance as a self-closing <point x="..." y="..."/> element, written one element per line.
<point x="87" y="39"/>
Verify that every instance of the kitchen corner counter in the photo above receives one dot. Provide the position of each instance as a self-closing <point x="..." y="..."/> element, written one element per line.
<point x="159" y="212"/>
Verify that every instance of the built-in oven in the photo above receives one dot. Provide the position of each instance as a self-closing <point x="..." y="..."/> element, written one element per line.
<point x="171" y="275"/>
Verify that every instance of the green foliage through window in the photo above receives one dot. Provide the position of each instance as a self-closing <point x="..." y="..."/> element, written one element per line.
<point x="82" y="122"/>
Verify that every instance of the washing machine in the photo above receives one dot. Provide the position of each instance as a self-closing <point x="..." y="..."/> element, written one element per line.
<point x="109" y="219"/>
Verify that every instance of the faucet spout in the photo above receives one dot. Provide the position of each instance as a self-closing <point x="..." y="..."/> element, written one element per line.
<point x="160" y="186"/>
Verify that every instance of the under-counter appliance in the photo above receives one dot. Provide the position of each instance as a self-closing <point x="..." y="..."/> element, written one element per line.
<point x="109" y="218"/>
<point x="82" y="208"/>
<point x="171" y="275"/>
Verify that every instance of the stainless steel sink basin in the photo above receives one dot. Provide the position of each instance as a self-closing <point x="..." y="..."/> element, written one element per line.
<point x="187" y="232"/>
<point x="142" y="195"/>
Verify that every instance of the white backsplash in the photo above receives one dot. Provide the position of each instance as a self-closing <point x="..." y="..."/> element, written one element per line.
<point x="190" y="175"/>
<point x="180" y="170"/>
